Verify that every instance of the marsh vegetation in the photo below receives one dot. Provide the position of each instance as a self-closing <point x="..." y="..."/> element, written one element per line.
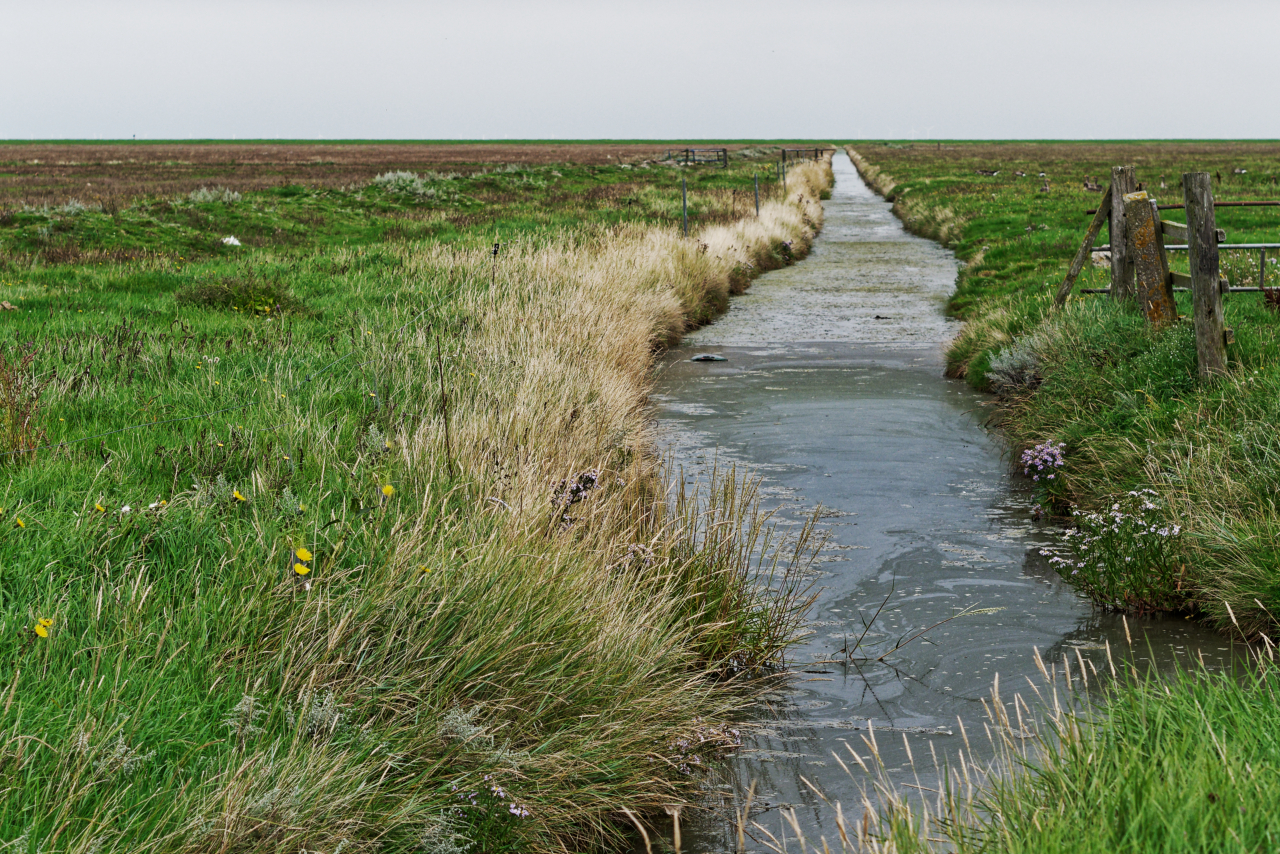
<point x="346" y="533"/>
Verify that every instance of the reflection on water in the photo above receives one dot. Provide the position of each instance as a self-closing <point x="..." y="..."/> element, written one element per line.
<point x="833" y="392"/>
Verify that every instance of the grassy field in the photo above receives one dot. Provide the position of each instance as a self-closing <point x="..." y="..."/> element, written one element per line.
<point x="1173" y="482"/>
<point x="347" y="534"/>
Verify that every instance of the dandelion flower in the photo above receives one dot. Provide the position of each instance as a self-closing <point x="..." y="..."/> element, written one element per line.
<point x="423" y="568"/>
<point x="303" y="554"/>
<point x="42" y="627"/>
<point x="99" y="507"/>
<point x="21" y="524"/>
<point x="235" y="493"/>
<point x="301" y="569"/>
<point x="388" y="490"/>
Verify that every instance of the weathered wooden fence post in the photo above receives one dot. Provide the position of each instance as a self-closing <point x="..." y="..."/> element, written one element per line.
<point x="1123" y="181"/>
<point x="684" y="204"/>
<point x="1145" y="251"/>
<point x="757" y="177"/>
<point x="1206" y="289"/>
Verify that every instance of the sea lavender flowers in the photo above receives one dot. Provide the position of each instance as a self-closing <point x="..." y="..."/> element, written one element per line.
<point x="1042" y="460"/>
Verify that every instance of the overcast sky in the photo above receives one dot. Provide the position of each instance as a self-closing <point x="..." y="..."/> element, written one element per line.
<point x="484" y="69"/>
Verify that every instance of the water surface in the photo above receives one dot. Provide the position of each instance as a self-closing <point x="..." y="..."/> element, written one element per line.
<point x="833" y="392"/>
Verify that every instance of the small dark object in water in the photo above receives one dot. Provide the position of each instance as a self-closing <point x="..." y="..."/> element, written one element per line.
<point x="708" y="357"/>
<point x="881" y="317"/>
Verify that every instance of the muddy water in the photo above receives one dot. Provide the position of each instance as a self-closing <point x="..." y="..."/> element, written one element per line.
<point x="832" y="391"/>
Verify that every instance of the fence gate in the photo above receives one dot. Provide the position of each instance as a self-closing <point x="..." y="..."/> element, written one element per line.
<point x="691" y="156"/>
<point x="1140" y="265"/>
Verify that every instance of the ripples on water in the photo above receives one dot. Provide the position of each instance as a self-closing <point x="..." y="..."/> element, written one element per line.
<point x="833" y="393"/>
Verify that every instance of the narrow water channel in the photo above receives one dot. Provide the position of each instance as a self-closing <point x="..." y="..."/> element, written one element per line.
<point x="832" y="392"/>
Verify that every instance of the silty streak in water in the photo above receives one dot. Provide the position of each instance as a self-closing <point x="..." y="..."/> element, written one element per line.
<point x="833" y="392"/>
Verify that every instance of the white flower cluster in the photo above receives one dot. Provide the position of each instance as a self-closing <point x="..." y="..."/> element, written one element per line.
<point x="1124" y="556"/>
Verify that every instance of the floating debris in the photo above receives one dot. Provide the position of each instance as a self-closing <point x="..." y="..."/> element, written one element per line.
<point x="708" y="357"/>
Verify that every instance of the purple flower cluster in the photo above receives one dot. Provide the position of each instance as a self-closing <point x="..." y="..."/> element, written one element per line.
<point x="492" y="793"/>
<point x="572" y="490"/>
<point x="638" y="553"/>
<point x="1041" y="460"/>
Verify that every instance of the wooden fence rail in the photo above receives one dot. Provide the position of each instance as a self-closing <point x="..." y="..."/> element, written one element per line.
<point x="805" y="153"/>
<point x="691" y="156"/>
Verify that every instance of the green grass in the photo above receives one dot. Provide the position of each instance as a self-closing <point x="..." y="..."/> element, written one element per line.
<point x="290" y="511"/>
<point x="1188" y="762"/>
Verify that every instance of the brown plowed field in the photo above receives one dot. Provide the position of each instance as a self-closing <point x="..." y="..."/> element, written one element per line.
<point x="43" y="174"/>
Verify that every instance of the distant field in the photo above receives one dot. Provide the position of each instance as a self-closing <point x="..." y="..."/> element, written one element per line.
<point x="52" y="173"/>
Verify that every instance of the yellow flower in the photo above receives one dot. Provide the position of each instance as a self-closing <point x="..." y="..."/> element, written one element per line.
<point x="45" y="621"/>
<point x="388" y="490"/>
<point x="99" y="507"/>
<point x="235" y="493"/>
<point x="42" y="631"/>
<point x="21" y="524"/>
<point x="303" y="554"/>
<point x="423" y="568"/>
<point x="301" y="569"/>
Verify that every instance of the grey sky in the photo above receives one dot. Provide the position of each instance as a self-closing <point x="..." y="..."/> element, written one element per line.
<point x="693" y="69"/>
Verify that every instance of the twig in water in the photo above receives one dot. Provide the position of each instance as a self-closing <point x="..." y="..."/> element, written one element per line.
<point x="866" y="626"/>
<point x="901" y="644"/>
